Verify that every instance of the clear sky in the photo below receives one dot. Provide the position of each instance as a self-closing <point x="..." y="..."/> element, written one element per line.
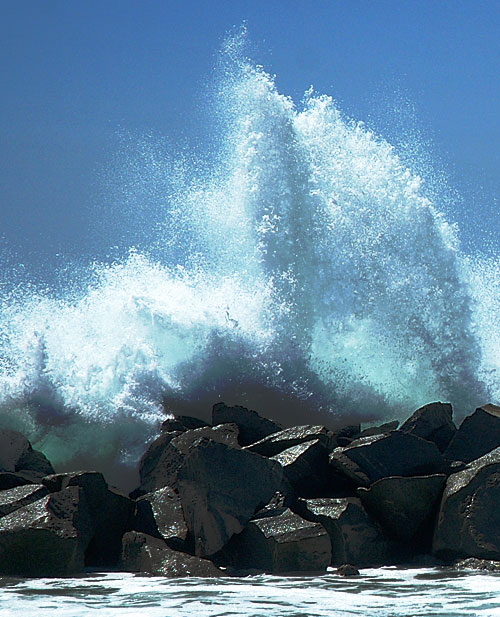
<point x="76" y="75"/>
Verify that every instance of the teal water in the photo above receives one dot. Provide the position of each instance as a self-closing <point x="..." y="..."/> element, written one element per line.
<point x="386" y="592"/>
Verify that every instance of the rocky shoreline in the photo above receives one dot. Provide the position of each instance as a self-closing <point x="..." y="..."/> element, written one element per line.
<point x="244" y="495"/>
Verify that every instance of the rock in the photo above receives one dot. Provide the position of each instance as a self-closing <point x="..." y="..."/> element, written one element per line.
<point x="253" y="427"/>
<point x="47" y="537"/>
<point x="11" y="479"/>
<point x="16" y="454"/>
<point x="15" y="498"/>
<point x="347" y="569"/>
<point x="220" y="489"/>
<point x="468" y="523"/>
<point x="481" y="565"/>
<point x="160" y="464"/>
<point x="148" y="555"/>
<point x="110" y="512"/>
<point x="355" y="537"/>
<point x="388" y="427"/>
<point x="405" y="507"/>
<point x="160" y="514"/>
<point x="434" y="423"/>
<point x="346" y="434"/>
<point x="182" y="423"/>
<point x="369" y="459"/>
<point x="306" y="468"/>
<point x="478" y="434"/>
<point x="283" y="543"/>
<point x="277" y="442"/>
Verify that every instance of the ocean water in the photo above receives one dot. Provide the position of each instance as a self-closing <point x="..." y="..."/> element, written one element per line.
<point x="385" y="592"/>
<point x="298" y="267"/>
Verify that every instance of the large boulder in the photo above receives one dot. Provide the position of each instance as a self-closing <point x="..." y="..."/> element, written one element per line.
<point x="306" y="468"/>
<point x="146" y="554"/>
<point x="368" y="459"/>
<point x="16" y="454"/>
<point x="355" y="537"/>
<point x="160" y="514"/>
<point x="253" y="427"/>
<point x="220" y="488"/>
<point x="405" y="507"/>
<point x="432" y="422"/>
<point x="287" y="438"/>
<point x="468" y="523"/>
<point x="163" y="459"/>
<point x="478" y="434"/>
<point x="48" y="537"/>
<point x="280" y="543"/>
<point x="111" y="513"/>
<point x="20" y="496"/>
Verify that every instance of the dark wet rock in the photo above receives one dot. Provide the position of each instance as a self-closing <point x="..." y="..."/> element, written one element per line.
<point x="478" y="434"/>
<point x="182" y="423"/>
<point x="11" y="479"/>
<point x="15" y="498"/>
<point x="111" y="513"/>
<point x="283" y="543"/>
<point x="468" y="523"/>
<point x="160" y="514"/>
<point x="369" y="459"/>
<point x="160" y="464"/>
<point x="306" y="468"/>
<point x="347" y="569"/>
<point x="405" y="507"/>
<point x="277" y="442"/>
<point x="221" y="487"/>
<point x="481" y="565"/>
<point x="432" y="422"/>
<point x="355" y="537"/>
<point x="380" y="429"/>
<point x="16" y="454"/>
<point x="253" y="427"/>
<point x="149" y="555"/>
<point x="345" y="435"/>
<point x="48" y="537"/>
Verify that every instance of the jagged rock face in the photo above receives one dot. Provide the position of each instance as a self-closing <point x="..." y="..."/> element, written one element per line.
<point x="16" y="454"/>
<point x="280" y="543"/>
<point x="47" y="537"/>
<point x="468" y="523"/>
<point x="220" y="489"/>
<point x="160" y="464"/>
<point x="149" y="555"/>
<point x="369" y="459"/>
<point x="478" y="434"/>
<point x="355" y="537"/>
<point x="432" y="422"/>
<point x="289" y="437"/>
<point x="252" y="426"/>
<point x="405" y="507"/>
<point x="160" y="514"/>
<point x="15" y="498"/>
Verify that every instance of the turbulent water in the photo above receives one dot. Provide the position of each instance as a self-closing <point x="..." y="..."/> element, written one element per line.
<point x="386" y="592"/>
<point x="302" y="271"/>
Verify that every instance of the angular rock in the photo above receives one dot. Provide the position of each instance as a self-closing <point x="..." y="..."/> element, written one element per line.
<point x="347" y="434"/>
<point x="432" y="422"/>
<point x="405" y="507"/>
<point x="281" y="543"/>
<point x="306" y="468"/>
<point x="478" y="434"/>
<point x="388" y="427"/>
<point x="160" y="514"/>
<point x="110" y="512"/>
<point x="468" y="523"/>
<point x="347" y="569"/>
<point x="15" y="498"/>
<point x="16" y="454"/>
<point x="481" y="565"/>
<point x="368" y="459"/>
<point x="160" y="464"/>
<point x="182" y="423"/>
<point x="47" y="537"/>
<point x="355" y="537"/>
<point x="11" y="479"/>
<point x="143" y="553"/>
<point x="220" y="489"/>
<point x="277" y="442"/>
<point x="253" y="427"/>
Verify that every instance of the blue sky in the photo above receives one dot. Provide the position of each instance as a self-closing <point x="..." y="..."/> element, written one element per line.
<point x="76" y="75"/>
